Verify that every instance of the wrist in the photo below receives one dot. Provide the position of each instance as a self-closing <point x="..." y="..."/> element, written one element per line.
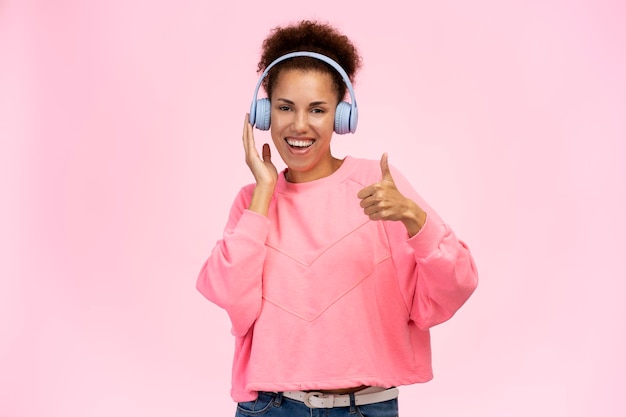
<point x="414" y="218"/>
<point x="261" y="198"/>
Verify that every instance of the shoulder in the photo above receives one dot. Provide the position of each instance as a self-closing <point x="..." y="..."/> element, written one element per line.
<point x="368" y="171"/>
<point x="243" y="197"/>
<point x="363" y="171"/>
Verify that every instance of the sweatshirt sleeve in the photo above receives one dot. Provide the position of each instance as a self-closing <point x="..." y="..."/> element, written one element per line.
<point x="231" y="276"/>
<point x="436" y="270"/>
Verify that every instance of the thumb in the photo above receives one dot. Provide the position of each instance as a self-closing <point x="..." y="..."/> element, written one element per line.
<point x="267" y="154"/>
<point x="384" y="168"/>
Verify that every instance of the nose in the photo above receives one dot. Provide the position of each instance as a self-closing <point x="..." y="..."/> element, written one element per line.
<point x="300" y="121"/>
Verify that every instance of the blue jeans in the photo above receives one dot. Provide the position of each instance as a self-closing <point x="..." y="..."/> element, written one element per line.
<point x="271" y="404"/>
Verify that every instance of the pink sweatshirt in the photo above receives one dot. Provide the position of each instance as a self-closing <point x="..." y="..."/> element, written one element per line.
<point x="321" y="297"/>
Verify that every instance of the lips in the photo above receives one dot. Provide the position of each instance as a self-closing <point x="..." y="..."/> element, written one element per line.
<point x="299" y="143"/>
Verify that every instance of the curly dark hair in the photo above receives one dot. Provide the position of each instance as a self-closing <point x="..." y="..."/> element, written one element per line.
<point x="310" y="36"/>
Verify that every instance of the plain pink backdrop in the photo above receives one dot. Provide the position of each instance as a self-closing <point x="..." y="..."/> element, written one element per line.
<point x="120" y="154"/>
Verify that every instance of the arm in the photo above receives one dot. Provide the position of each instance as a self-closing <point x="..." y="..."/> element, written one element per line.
<point x="436" y="271"/>
<point x="231" y="277"/>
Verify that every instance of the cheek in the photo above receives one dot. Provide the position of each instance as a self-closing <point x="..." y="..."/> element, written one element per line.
<point x="280" y="120"/>
<point x="276" y="133"/>
<point x="276" y="137"/>
<point x="275" y="124"/>
<point x="328" y="124"/>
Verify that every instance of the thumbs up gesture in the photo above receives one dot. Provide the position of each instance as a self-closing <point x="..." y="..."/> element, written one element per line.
<point x="383" y="201"/>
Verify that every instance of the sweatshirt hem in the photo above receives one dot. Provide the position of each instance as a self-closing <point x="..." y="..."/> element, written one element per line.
<point x="252" y="388"/>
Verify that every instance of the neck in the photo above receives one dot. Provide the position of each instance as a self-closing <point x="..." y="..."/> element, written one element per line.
<point x="297" y="177"/>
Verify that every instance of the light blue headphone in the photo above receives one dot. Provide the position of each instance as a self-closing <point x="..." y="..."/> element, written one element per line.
<point x="346" y="114"/>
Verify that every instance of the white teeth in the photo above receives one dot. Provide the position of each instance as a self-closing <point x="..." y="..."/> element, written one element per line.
<point x="300" y="143"/>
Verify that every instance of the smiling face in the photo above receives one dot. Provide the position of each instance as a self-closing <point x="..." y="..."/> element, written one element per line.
<point x="302" y="123"/>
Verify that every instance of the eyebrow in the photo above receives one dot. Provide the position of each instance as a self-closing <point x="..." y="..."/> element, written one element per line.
<point x="315" y="103"/>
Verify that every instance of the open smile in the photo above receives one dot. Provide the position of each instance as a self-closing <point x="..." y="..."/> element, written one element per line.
<point x="299" y="143"/>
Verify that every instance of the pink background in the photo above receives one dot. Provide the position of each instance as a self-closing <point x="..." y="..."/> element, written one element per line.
<point x="120" y="127"/>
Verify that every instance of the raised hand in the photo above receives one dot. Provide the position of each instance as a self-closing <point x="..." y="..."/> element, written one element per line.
<point x="264" y="171"/>
<point x="383" y="201"/>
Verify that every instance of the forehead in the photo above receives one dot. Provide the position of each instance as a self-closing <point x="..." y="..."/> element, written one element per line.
<point x="303" y="83"/>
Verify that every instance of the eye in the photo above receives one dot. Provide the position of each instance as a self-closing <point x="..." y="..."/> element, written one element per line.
<point x="284" y="108"/>
<point x="317" y="110"/>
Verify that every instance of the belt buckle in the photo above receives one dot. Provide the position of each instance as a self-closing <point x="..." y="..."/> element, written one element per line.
<point x="319" y="395"/>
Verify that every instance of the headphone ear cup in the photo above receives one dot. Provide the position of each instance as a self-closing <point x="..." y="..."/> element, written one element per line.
<point x="262" y="116"/>
<point x="342" y="118"/>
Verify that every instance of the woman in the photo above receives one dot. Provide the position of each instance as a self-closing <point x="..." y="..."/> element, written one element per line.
<point x="333" y="270"/>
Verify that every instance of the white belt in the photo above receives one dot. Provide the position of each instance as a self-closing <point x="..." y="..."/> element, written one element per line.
<point x="315" y="399"/>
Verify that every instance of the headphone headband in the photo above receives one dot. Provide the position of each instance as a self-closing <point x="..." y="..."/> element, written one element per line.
<point x="347" y="115"/>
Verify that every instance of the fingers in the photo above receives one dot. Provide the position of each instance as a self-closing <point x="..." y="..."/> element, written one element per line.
<point x="371" y="198"/>
<point x="246" y="125"/>
<point x="246" y="133"/>
<point x="377" y="199"/>
<point x="366" y="192"/>
<point x="386" y="175"/>
<point x="249" y="144"/>
<point x="248" y="139"/>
